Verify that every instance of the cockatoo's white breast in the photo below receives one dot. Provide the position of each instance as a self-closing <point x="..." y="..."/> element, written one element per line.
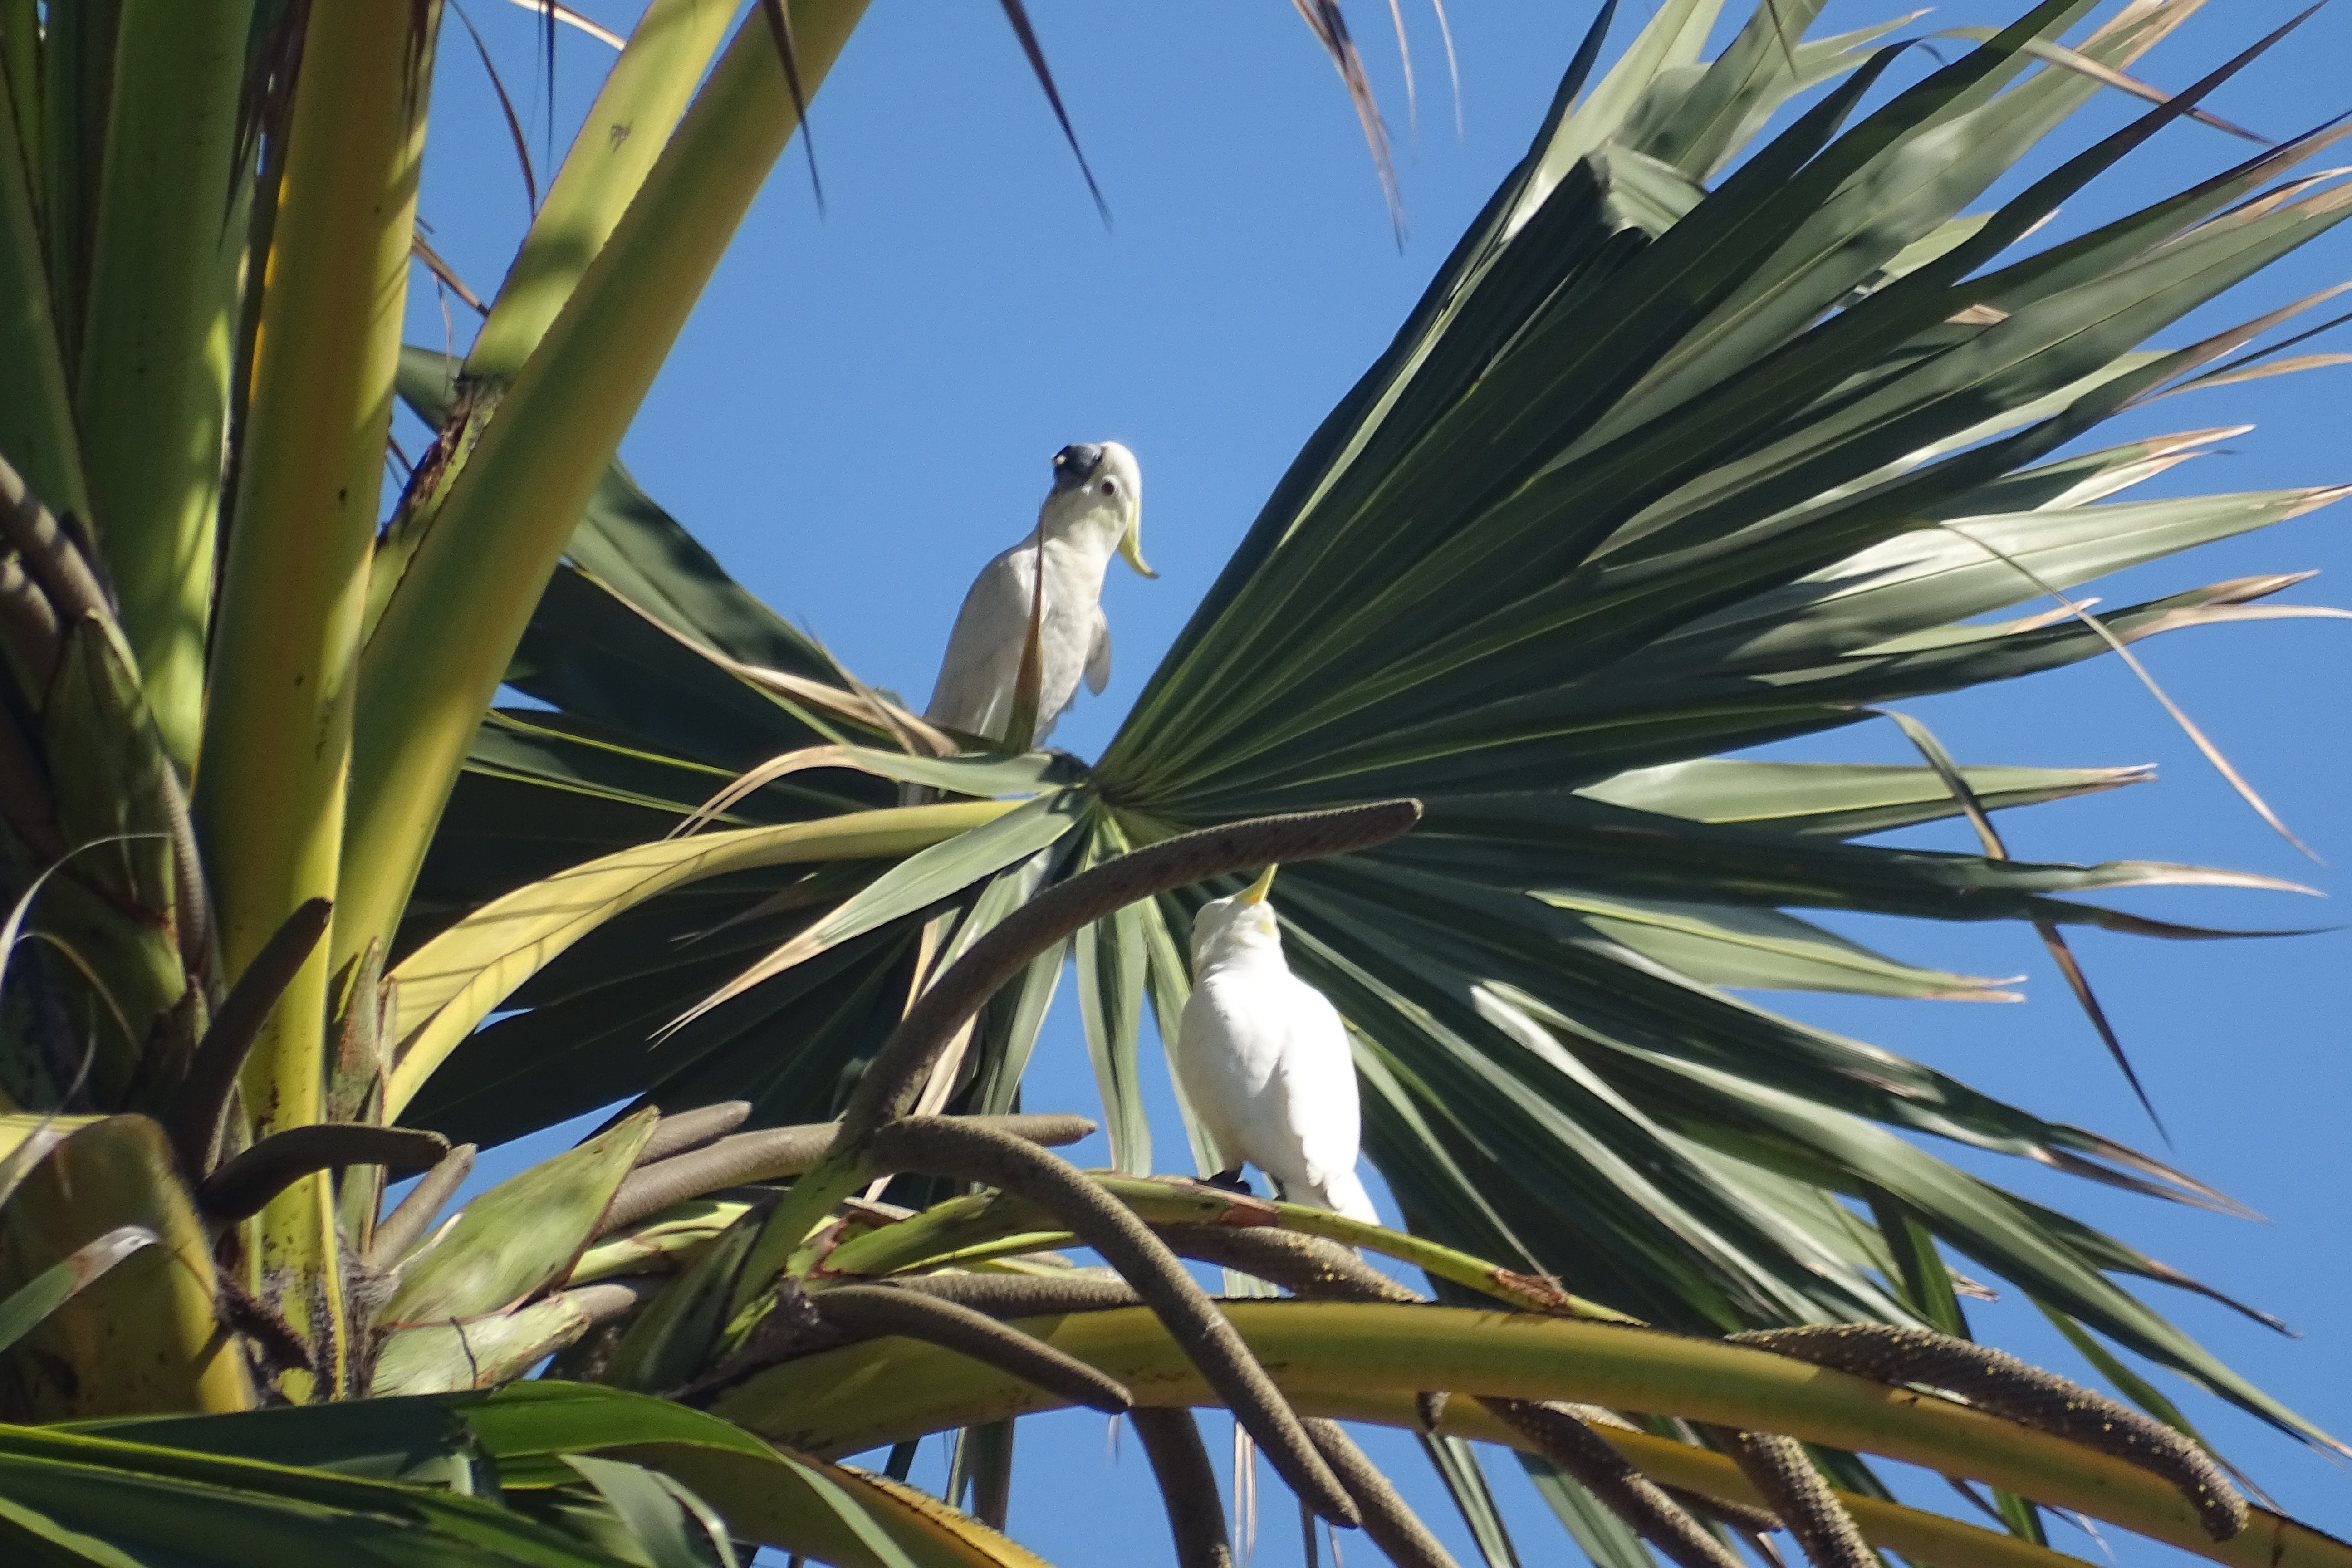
<point x="1093" y="511"/>
<point x="977" y="678"/>
<point x="1265" y="1062"/>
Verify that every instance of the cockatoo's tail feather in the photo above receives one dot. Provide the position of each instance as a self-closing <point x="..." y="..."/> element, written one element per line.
<point x="1342" y="1194"/>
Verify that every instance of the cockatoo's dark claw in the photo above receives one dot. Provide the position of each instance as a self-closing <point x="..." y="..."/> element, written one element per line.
<point x="1233" y="1181"/>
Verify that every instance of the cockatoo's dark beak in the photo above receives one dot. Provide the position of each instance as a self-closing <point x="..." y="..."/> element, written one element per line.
<point x="1076" y="464"/>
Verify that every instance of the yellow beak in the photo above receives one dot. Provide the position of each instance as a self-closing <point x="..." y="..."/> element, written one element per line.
<point x="1130" y="545"/>
<point x="1263" y="885"/>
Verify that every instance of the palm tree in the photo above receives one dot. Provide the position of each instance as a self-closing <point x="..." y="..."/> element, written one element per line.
<point x="1762" y="423"/>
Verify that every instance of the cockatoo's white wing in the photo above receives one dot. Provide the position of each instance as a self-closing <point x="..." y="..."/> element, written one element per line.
<point x="1098" y="655"/>
<point x="974" y="691"/>
<point x="1312" y="1100"/>
<point x="1223" y="1063"/>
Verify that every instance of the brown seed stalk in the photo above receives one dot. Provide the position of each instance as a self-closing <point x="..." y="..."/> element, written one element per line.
<point x="240" y="1188"/>
<point x="1021" y="1295"/>
<point x="771" y="1153"/>
<point x="1780" y="1469"/>
<point x="1999" y="1382"/>
<point x="1632" y="1497"/>
<point x="692" y="1129"/>
<point x="1188" y="1486"/>
<point x="1394" y="1526"/>
<point x="404" y="1228"/>
<point x="945" y="1146"/>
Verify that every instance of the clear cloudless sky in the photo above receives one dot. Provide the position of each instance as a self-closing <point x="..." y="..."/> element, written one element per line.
<point x="861" y="408"/>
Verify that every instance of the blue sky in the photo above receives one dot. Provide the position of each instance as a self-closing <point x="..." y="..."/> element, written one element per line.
<point x="862" y="410"/>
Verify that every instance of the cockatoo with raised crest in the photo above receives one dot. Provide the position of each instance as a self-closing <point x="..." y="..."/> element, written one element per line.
<point x="1094" y="510"/>
<point x="1264" y="1060"/>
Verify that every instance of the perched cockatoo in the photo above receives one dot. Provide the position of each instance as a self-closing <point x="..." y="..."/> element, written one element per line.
<point x="1264" y="1060"/>
<point x="1096" y="507"/>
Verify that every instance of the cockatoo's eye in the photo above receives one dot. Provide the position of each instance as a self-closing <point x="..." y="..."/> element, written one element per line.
<point x="1110" y="486"/>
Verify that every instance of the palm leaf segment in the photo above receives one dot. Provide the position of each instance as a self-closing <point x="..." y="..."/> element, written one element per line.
<point x="1670" y="461"/>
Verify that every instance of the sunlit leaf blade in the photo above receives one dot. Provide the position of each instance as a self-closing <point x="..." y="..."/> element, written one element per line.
<point x="675" y="1529"/>
<point x="1113" y="960"/>
<point x="1839" y="800"/>
<point x="517" y="1236"/>
<point x="1723" y="945"/>
<point x="452" y="982"/>
<point x="2053" y="938"/>
<point x="921" y="880"/>
<point x="58" y="1283"/>
<point x="1328" y="23"/>
<point x="109" y="1190"/>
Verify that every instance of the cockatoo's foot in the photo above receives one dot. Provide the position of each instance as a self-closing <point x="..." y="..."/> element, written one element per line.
<point x="1233" y="1181"/>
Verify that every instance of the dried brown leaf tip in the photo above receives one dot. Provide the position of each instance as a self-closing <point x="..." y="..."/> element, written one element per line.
<point x="1536" y="1290"/>
<point x="1329" y="25"/>
<point x="1017" y="14"/>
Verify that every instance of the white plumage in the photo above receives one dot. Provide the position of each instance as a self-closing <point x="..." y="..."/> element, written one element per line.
<point x="1095" y="508"/>
<point x="1264" y="1060"/>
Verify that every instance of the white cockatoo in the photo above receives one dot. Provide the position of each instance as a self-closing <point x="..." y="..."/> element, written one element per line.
<point x="1264" y="1060"/>
<point x="1096" y="507"/>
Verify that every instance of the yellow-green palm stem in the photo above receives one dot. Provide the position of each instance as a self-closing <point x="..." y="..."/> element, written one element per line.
<point x="628" y="126"/>
<point x="671" y="1241"/>
<point x="625" y="130"/>
<point x="36" y="420"/>
<point x="276" y="742"/>
<point x="483" y="564"/>
<point x="153" y="392"/>
<point x="886" y="1391"/>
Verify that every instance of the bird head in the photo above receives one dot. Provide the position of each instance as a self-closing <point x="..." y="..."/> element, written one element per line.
<point x="1238" y="926"/>
<point x="1099" y="486"/>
